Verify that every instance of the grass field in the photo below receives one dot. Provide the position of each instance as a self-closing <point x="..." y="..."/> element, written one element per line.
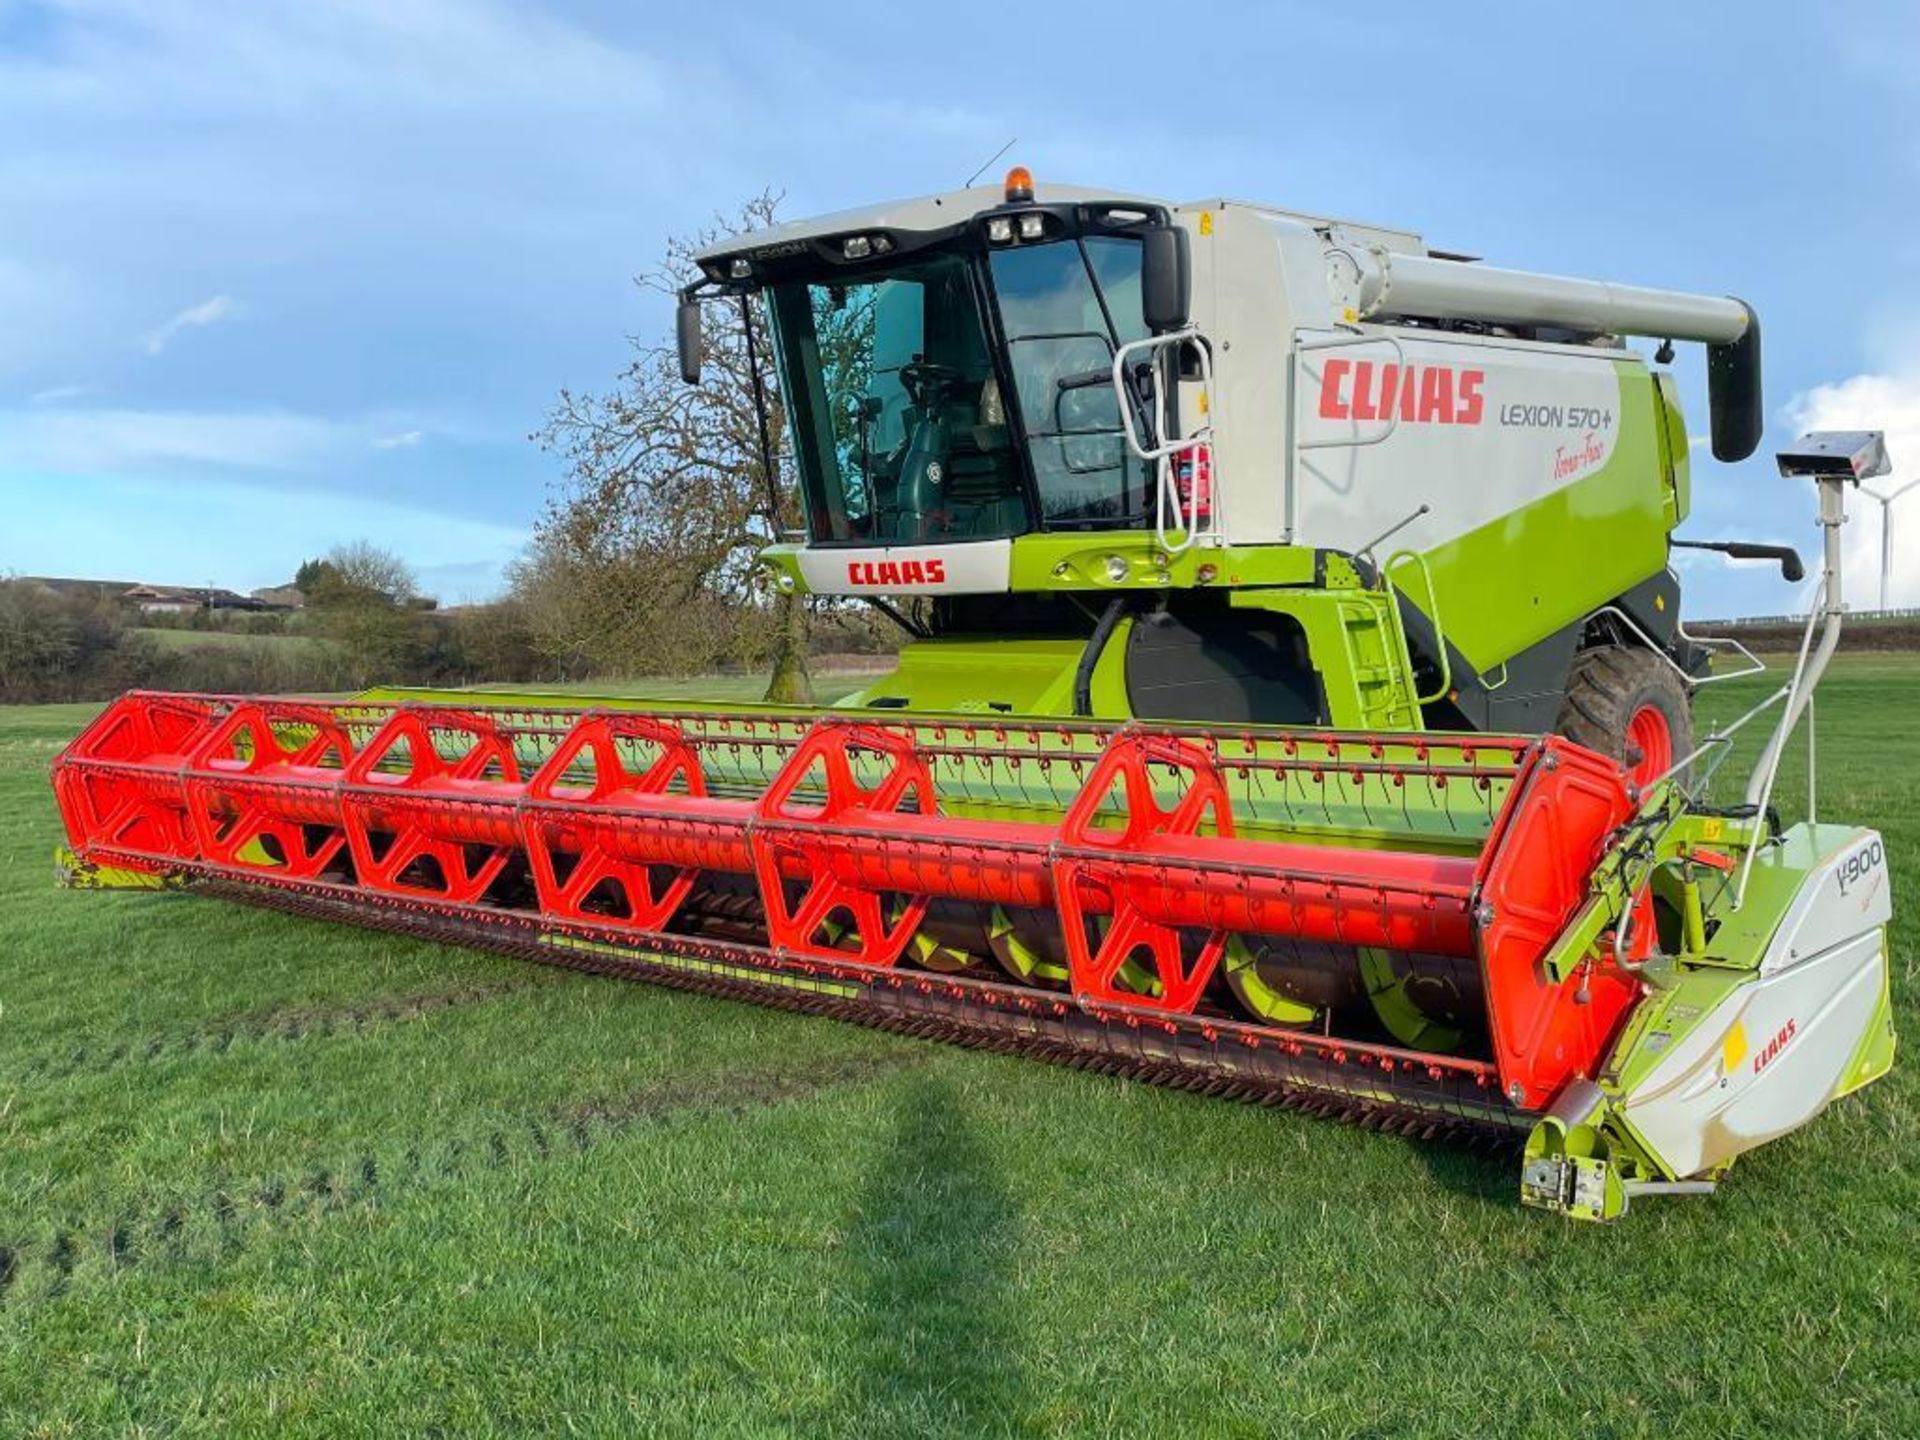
<point x="260" y="1176"/>
<point x="171" y="639"/>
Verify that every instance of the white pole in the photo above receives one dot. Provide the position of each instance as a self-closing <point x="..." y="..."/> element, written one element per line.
<point x="1886" y="549"/>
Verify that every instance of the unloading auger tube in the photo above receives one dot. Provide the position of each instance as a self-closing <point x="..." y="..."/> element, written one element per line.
<point x="1472" y="934"/>
<point x="1369" y="281"/>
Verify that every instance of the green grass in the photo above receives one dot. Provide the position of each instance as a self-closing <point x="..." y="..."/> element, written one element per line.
<point x="262" y="1176"/>
<point x="168" y="638"/>
<point x="828" y="686"/>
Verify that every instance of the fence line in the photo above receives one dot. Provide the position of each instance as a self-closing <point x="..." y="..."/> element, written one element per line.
<point x="1744" y="622"/>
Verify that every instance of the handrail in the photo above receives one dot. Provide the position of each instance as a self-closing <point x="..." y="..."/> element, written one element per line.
<point x="1162" y="455"/>
<point x="1439" y="628"/>
<point x="1715" y="644"/>
<point x="1722" y="740"/>
<point x="1341" y="342"/>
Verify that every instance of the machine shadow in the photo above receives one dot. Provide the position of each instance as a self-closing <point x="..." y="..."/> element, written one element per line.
<point x="1487" y="1173"/>
<point x="933" y="1240"/>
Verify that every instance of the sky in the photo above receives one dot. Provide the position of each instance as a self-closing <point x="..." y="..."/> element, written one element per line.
<point x="275" y="277"/>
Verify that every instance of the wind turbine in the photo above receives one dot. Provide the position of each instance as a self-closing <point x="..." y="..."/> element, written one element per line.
<point x="1886" y="531"/>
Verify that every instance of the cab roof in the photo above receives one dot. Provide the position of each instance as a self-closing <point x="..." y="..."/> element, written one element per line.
<point x="922" y="214"/>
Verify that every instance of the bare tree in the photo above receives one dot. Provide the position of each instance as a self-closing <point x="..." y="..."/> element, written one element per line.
<point x="648" y="548"/>
<point x="367" y="602"/>
<point x="365" y="566"/>
<point x="359" y="568"/>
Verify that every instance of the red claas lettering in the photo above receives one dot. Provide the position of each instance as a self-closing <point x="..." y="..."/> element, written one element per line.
<point x="1332" y="405"/>
<point x="1473" y="404"/>
<point x="1413" y="394"/>
<point x="897" y="572"/>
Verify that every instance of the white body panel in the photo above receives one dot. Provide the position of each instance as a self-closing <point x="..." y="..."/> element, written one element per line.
<point x="1242" y="303"/>
<point x="978" y="567"/>
<point x="1385" y="423"/>
<point x="1777" y="1050"/>
<point x="1288" y="473"/>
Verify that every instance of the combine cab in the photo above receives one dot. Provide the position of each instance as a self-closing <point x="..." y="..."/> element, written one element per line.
<point x="1239" y="542"/>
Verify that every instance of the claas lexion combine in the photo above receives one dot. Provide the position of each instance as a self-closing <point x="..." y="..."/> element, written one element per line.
<point x="1297" y="704"/>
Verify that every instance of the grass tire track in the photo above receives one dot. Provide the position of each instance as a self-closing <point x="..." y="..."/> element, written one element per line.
<point x="161" y="1230"/>
<point x="286" y="1024"/>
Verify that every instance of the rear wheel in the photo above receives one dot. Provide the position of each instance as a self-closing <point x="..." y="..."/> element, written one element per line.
<point x="1631" y="705"/>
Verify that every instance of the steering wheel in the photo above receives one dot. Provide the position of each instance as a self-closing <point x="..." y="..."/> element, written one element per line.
<point x="925" y="381"/>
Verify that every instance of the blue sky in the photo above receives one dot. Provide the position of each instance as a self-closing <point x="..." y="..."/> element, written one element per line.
<point x="275" y="277"/>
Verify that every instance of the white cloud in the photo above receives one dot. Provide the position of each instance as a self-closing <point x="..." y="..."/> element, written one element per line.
<point x="48" y="307"/>
<point x="1875" y="402"/>
<point x="85" y="442"/>
<point x="388" y="150"/>
<point x="404" y="440"/>
<point x="58" y="394"/>
<point x="199" y="56"/>
<point x="207" y="312"/>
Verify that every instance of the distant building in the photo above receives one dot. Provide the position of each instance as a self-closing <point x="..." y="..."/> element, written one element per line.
<point x="151" y="600"/>
<point x="90" y="589"/>
<point x="169" y="600"/>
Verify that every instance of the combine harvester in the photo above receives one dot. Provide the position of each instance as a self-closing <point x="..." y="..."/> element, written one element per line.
<point x="1298" y="706"/>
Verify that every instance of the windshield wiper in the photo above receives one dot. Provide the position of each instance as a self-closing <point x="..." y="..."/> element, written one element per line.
<point x="1083" y="380"/>
<point x="1138" y="380"/>
<point x="866" y="410"/>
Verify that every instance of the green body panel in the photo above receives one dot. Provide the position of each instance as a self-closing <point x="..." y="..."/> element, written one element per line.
<point x="1676" y="451"/>
<point x="1078" y="561"/>
<point x="1352" y="635"/>
<point x="1355" y="642"/>
<point x="1874" y="1058"/>
<point x="1516" y="580"/>
<point x="973" y="676"/>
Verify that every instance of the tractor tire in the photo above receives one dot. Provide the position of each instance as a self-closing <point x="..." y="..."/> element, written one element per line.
<point x="1628" y="704"/>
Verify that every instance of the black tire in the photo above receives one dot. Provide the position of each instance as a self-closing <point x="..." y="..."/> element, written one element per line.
<point x="1611" y="684"/>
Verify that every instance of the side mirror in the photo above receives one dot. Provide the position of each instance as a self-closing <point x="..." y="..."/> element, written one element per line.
<point x="1738" y="414"/>
<point x="1166" y="279"/>
<point x="1792" y="569"/>
<point x="686" y="327"/>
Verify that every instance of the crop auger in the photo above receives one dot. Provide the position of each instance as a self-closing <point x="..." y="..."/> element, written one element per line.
<point x="1176" y="779"/>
